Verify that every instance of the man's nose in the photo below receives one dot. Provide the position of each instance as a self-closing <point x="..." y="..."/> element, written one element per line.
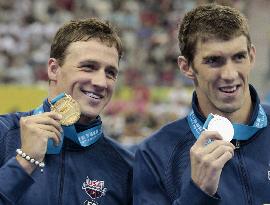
<point x="99" y="79"/>
<point x="229" y="71"/>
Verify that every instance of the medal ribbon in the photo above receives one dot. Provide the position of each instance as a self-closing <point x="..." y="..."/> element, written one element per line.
<point x="84" y="138"/>
<point x="241" y="131"/>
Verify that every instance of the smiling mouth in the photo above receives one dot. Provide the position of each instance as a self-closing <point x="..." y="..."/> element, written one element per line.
<point x="229" y="89"/>
<point x="93" y="95"/>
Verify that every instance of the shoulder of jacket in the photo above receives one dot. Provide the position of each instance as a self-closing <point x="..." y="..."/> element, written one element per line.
<point x="167" y="143"/>
<point x="168" y="135"/>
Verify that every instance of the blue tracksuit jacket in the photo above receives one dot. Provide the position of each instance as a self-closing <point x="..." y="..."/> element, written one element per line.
<point x="100" y="174"/>
<point x="162" y="168"/>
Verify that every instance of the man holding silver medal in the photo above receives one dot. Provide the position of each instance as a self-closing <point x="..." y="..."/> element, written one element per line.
<point x="195" y="160"/>
<point x="57" y="153"/>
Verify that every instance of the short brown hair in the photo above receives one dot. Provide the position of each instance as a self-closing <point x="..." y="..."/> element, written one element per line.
<point x="210" y="21"/>
<point x="83" y="30"/>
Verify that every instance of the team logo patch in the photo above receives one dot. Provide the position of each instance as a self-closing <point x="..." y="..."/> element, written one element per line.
<point x="93" y="188"/>
<point x="90" y="203"/>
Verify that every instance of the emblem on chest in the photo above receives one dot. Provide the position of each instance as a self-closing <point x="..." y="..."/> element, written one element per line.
<point x="95" y="189"/>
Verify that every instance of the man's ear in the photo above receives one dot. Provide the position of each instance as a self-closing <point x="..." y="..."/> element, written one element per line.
<point x="185" y="67"/>
<point x="252" y="54"/>
<point x="53" y="69"/>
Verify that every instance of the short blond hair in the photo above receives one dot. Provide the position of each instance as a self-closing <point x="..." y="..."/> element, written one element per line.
<point x="83" y="30"/>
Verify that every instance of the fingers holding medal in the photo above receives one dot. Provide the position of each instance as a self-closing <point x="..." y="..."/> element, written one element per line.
<point x="210" y="153"/>
<point x="36" y="130"/>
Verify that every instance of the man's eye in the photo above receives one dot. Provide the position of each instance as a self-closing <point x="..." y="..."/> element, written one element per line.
<point x="239" y="57"/>
<point x="89" y="67"/>
<point x="214" y="61"/>
<point x="111" y="74"/>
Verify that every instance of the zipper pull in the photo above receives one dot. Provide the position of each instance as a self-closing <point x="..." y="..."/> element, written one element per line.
<point x="237" y="144"/>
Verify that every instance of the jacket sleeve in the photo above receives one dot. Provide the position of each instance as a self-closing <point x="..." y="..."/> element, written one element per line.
<point x="14" y="182"/>
<point x="193" y="195"/>
<point x="149" y="189"/>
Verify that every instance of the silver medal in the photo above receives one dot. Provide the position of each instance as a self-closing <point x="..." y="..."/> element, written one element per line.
<point x="223" y="126"/>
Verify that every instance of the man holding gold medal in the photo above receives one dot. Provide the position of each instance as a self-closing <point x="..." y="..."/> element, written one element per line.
<point x="57" y="153"/>
<point x="218" y="154"/>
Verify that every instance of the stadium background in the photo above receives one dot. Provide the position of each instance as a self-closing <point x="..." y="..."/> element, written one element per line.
<point x="151" y="91"/>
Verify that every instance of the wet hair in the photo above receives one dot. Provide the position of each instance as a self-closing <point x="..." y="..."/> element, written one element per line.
<point x="210" y="21"/>
<point x="84" y="30"/>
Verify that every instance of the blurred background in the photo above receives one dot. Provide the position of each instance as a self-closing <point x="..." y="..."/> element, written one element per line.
<point x="151" y="90"/>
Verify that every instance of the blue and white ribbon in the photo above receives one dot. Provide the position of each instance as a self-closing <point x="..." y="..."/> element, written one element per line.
<point x="241" y="131"/>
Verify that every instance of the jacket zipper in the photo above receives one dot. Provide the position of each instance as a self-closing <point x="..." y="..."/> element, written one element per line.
<point x="62" y="174"/>
<point x="243" y="175"/>
<point x="237" y="144"/>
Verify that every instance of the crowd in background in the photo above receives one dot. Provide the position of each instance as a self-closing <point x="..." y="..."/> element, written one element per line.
<point x="149" y="65"/>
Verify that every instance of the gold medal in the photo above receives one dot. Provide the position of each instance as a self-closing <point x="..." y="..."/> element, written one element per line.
<point x="68" y="108"/>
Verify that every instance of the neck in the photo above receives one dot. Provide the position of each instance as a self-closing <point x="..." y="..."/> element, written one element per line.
<point x="52" y="95"/>
<point x="85" y="120"/>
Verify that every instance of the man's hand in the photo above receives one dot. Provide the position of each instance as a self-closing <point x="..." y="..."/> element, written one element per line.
<point x="35" y="132"/>
<point x="207" y="160"/>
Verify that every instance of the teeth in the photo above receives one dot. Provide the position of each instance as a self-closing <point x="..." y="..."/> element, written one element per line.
<point x="228" y="89"/>
<point x="92" y="95"/>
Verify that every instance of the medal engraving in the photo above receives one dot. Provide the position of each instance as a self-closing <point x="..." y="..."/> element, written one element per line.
<point x="68" y="108"/>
